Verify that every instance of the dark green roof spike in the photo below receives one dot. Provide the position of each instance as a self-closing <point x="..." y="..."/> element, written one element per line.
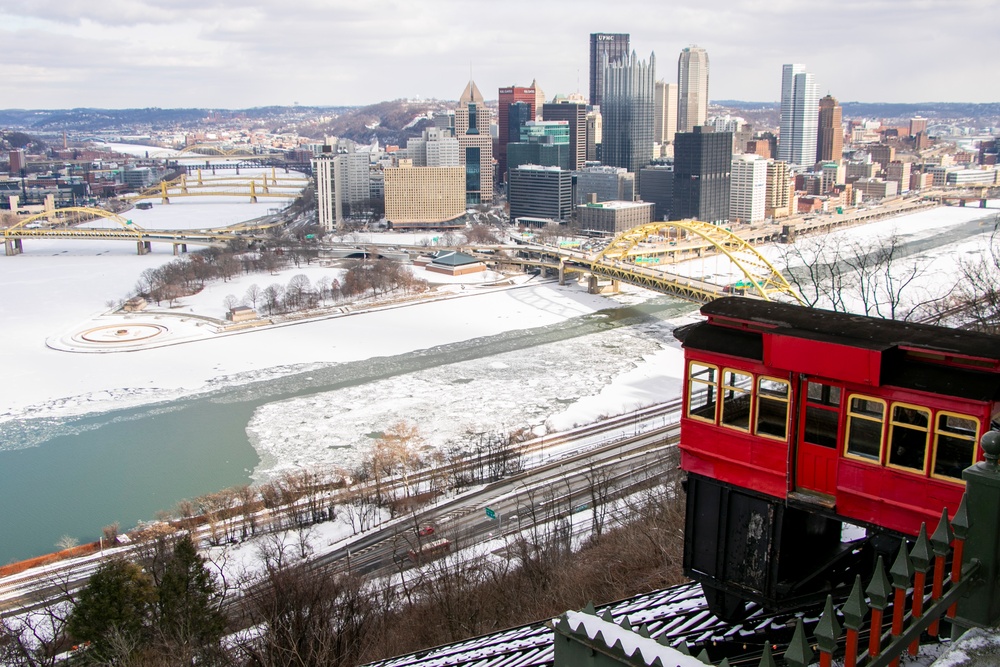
<point x="855" y="608"/>
<point x="921" y="554"/>
<point x="828" y="629"/>
<point x="767" y="660"/>
<point x="902" y="568"/>
<point x="942" y="536"/>
<point x="878" y="589"/>
<point x="960" y="524"/>
<point x="798" y="654"/>
<point x="703" y="657"/>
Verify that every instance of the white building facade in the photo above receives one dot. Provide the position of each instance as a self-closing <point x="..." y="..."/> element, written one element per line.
<point x="799" y="116"/>
<point x="748" y="188"/>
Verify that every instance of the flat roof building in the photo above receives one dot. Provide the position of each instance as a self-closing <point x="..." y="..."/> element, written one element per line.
<point x="613" y="217"/>
<point x="535" y="191"/>
<point x="424" y="196"/>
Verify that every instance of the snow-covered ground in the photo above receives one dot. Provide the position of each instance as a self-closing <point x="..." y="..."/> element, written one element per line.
<point x="55" y="287"/>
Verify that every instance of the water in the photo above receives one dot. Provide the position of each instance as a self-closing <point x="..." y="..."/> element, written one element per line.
<point x="127" y="465"/>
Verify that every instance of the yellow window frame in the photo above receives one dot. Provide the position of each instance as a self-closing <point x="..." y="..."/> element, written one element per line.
<point x="937" y="433"/>
<point x="851" y="415"/>
<point x="703" y="383"/>
<point x="786" y="400"/>
<point x="887" y="440"/>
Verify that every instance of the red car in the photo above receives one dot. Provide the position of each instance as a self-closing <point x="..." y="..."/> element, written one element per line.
<point x="425" y="531"/>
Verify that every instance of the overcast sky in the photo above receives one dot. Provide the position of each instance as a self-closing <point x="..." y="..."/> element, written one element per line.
<point x="229" y="54"/>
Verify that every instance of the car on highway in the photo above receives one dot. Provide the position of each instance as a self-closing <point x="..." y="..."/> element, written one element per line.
<point x="425" y="531"/>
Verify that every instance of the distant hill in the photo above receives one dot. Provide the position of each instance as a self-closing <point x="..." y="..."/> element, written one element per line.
<point x="390" y="122"/>
<point x="987" y="112"/>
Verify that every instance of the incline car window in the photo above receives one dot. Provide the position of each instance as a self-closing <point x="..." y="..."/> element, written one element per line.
<point x="822" y="414"/>
<point x="703" y="390"/>
<point x="955" y="438"/>
<point x="772" y="407"/>
<point x="864" y="427"/>
<point x="736" y="388"/>
<point x="908" y="434"/>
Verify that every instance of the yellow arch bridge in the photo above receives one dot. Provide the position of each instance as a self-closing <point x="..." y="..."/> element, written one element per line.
<point x="637" y="257"/>
<point x="64" y="224"/>
<point x="199" y="185"/>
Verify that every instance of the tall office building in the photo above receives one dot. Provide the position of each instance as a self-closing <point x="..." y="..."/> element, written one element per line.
<point x="508" y="96"/>
<point x="748" y="188"/>
<point x="575" y="114"/>
<point x="612" y="45"/>
<point x="779" y="196"/>
<point x="702" y="166"/>
<point x="627" y="113"/>
<point x="540" y="192"/>
<point x="664" y="112"/>
<point x="692" y="88"/>
<point x="434" y="148"/>
<point x="595" y="134"/>
<point x="472" y="129"/>
<point x="799" y="116"/>
<point x="830" y="134"/>
<point x="342" y="181"/>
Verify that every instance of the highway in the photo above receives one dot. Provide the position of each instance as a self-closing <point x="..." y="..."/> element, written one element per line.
<point x="615" y="456"/>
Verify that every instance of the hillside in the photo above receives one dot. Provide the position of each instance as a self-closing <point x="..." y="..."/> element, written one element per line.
<point x="391" y="122"/>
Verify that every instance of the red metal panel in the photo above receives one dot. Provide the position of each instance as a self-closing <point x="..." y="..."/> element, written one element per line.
<point x="823" y="359"/>
<point x="816" y="468"/>
<point x="734" y="457"/>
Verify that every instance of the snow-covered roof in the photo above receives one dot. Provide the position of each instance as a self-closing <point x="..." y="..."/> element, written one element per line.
<point x="591" y="629"/>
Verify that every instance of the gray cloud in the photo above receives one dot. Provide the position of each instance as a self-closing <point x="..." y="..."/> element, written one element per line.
<point x="214" y="53"/>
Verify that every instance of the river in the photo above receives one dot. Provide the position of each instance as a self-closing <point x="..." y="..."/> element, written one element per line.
<point x="127" y="465"/>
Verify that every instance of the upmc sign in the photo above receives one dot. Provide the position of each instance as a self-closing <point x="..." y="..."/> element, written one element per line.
<point x="605" y="38"/>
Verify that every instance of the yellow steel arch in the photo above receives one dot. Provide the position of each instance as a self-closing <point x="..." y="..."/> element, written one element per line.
<point x="215" y="149"/>
<point x="760" y="273"/>
<point x="82" y="211"/>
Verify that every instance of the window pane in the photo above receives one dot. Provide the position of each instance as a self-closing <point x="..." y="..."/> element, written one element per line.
<point x="774" y="388"/>
<point x="821" y="426"/>
<point x="864" y="438"/>
<point x="824" y="394"/>
<point x="703" y="391"/>
<point x="908" y="446"/>
<point x="736" y="400"/>
<point x="772" y="417"/>
<point x="869" y="408"/>
<point x="960" y="425"/>
<point x="953" y="456"/>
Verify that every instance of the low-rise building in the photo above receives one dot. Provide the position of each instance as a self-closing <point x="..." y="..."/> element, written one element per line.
<point x="424" y="196"/>
<point x="613" y="217"/>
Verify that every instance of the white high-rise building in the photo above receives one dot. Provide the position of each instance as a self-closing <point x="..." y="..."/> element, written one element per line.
<point x="342" y="180"/>
<point x="748" y="188"/>
<point x="435" y="148"/>
<point x="799" y="116"/>
<point x="692" y="88"/>
<point x="665" y="112"/>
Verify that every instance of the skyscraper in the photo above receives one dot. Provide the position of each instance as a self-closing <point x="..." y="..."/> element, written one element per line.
<point x="507" y="96"/>
<point x="627" y="113"/>
<point x="799" y="116"/>
<point x="472" y="129"/>
<point x="830" y="134"/>
<point x="702" y="167"/>
<point x="748" y="188"/>
<point x="665" y="112"/>
<point x="612" y="45"/>
<point x="574" y="113"/>
<point x="692" y="88"/>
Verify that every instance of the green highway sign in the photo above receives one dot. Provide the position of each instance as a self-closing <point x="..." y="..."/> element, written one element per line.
<point x="490" y="513"/>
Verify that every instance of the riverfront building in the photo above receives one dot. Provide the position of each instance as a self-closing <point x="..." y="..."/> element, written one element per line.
<point x="472" y="129"/>
<point x="748" y="188"/>
<point x="702" y="164"/>
<point x="342" y="181"/>
<point x="424" y="196"/>
<point x="613" y="217"/>
<point x="540" y="192"/>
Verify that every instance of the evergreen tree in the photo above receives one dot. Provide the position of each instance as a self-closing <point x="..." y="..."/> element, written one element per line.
<point x="112" y="612"/>
<point x="187" y="596"/>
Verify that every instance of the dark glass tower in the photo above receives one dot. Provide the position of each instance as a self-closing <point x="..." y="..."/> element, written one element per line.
<point x="702" y="165"/>
<point x="627" y="111"/>
<point x="615" y="46"/>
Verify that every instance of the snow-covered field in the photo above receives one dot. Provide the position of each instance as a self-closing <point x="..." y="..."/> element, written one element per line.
<point x="57" y="286"/>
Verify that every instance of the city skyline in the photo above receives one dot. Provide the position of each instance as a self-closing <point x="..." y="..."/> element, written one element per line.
<point x="204" y="54"/>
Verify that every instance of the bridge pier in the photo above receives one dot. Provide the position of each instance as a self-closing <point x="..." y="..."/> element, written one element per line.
<point x="180" y="248"/>
<point x="595" y="287"/>
<point x="144" y="247"/>
<point x="982" y="203"/>
<point x="961" y="202"/>
<point x="562" y="272"/>
<point x="13" y="247"/>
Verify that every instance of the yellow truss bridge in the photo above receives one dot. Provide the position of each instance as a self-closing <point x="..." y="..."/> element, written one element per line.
<point x="199" y="185"/>
<point x="63" y="224"/>
<point x="634" y="257"/>
<point x="210" y="151"/>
